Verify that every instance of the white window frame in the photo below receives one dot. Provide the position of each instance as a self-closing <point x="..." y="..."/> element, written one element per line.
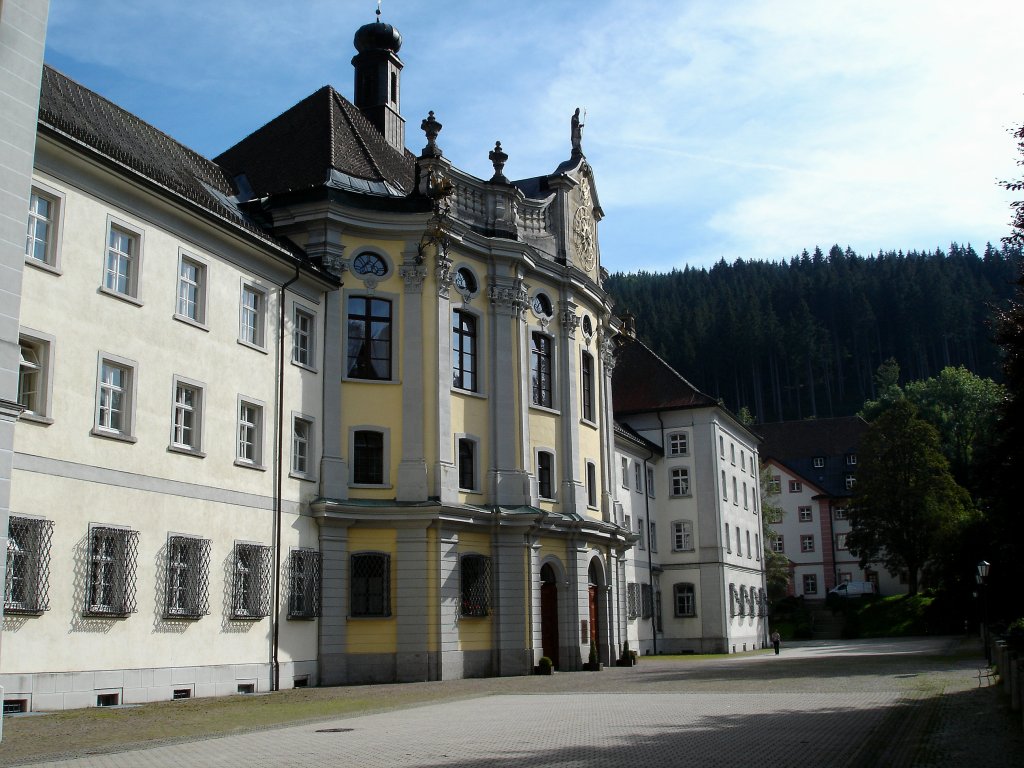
<point x="851" y="459"/>
<point x="552" y="357"/>
<point x="39" y="408"/>
<point x="851" y="481"/>
<point x="186" y="594"/>
<point x="650" y="482"/>
<point x="679" y="444"/>
<point x="679" y="482"/>
<point x="178" y="412"/>
<point x="652" y="538"/>
<point x="841" y="541"/>
<point x="252" y="320"/>
<point x="638" y="482"/>
<point x="309" y="444"/>
<point x="250" y="428"/>
<point x="105" y="392"/>
<point x="842" y="513"/>
<point x="810" y="580"/>
<point x="301" y="312"/>
<point x="818" y="462"/>
<point x="136" y="236"/>
<point x="795" y="486"/>
<point x="684" y="598"/>
<point x="682" y="536"/>
<point x="807" y="542"/>
<point x="55" y="228"/>
<point x="779" y="544"/>
<point x="198" y="285"/>
<point x="624" y="466"/>
<point x="805" y="514"/>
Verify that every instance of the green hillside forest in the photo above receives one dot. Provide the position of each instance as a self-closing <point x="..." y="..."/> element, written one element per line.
<point x="798" y="339"/>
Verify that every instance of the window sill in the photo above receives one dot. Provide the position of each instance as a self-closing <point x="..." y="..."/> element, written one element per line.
<point x="302" y="476"/>
<point x="172" y="448"/>
<point x="246" y="617"/>
<point x="305" y="366"/>
<point x="94" y="614"/>
<point x="358" y="380"/>
<point x="125" y="297"/>
<point x="374" y="617"/>
<point x="182" y="616"/>
<point x="679" y="496"/>
<point x="250" y="465"/>
<point x="110" y="435"/>
<point x="300" y="617"/>
<point x="468" y="393"/>
<point x="259" y="348"/>
<point x="35" y="418"/>
<point x="43" y="266"/>
<point x="380" y="486"/>
<point x="190" y="321"/>
<point x="588" y="423"/>
<point x="546" y="409"/>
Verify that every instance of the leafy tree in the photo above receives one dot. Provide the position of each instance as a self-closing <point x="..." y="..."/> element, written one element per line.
<point x="906" y="502"/>
<point x="776" y="564"/>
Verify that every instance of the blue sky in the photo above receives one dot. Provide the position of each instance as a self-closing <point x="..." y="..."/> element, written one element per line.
<point x="717" y="130"/>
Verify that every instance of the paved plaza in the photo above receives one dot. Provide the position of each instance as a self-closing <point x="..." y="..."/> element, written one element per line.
<point x="858" y="703"/>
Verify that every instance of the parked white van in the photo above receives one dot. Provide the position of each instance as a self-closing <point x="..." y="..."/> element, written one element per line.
<point x="853" y="589"/>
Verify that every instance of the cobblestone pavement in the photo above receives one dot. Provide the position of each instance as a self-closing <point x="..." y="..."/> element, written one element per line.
<point x="910" y="703"/>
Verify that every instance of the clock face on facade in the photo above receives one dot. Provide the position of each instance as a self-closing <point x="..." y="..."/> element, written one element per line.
<point x="583" y="235"/>
<point x="369" y="264"/>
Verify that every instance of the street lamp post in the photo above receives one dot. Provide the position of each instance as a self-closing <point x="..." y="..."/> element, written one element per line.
<point x="983" y="570"/>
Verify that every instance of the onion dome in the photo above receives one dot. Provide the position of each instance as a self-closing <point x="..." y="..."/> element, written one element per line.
<point x="377" y="37"/>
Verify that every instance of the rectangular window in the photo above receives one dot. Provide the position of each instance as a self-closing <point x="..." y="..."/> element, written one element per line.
<point x="841" y="541"/>
<point x="464" y="351"/>
<point x="27" y="588"/>
<point x="304" y="584"/>
<point x="41" y="236"/>
<point x="632" y="600"/>
<point x="541" y="372"/>
<point x="191" y="290"/>
<point x="841" y="513"/>
<point x="732" y="453"/>
<point x="625" y="472"/>
<point x="121" y="267"/>
<point x="646" y="601"/>
<point x="34" y="376"/>
<point x="303" y="338"/>
<point x="851" y="459"/>
<point x="757" y="547"/>
<point x="795" y="486"/>
<point x="250" y="433"/>
<point x="368" y="457"/>
<point x="370" y="584"/>
<point x="778" y="545"/>
<point x="638" y="482"/>
<point x="115" y="393"/>
<point x="851" y="481"/>
<point x="475" y="583"/>
<point x="807" y="543"/>
<point x="641" y="538"/>
<point x="721" y="446"/>
<point x="186" y="418"/>
<point x="591" y="484"/>
<point x="749" y="551"/>
<point x="250" y="588"/>
<point x="682" y="536"/>
<point x="739" y="544"/>
<point x="735" y="495"/>
<point x="805" y="514"/>
<point x="369" y="338"/>
<point x="187" y="585"/>
<point x="467" y="464"/>
<point x="685" y="599"/>
<point x="680" y="481"/>
<point x="587" y="385"/>
<point x="725" y="487"/>
<point x="252" y="316"/>
<point x="545" y="469"/>
<point x="110" y="581"/>
<point x="728" y="539"/>
<point x="810" y="584"/>
<point x="775" y="484"/>
<point x="302" y="447"/>
<point x="746" y="504"/>
<point x="650" y="482"/>
<point x="654" y="536"/>
<point x="818" y="462"/>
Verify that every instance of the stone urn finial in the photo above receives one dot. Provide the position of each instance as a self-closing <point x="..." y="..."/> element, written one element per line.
<point x="498" y="158"/>
<point x="431" y="127"/>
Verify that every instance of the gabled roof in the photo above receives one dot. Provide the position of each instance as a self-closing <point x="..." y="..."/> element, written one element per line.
<point x="71" y="110"/>
<point x="643" y="382"/>
<point x="322" y="138"/>
<point x="627" y="433"/>
<point x="795" y="445"/>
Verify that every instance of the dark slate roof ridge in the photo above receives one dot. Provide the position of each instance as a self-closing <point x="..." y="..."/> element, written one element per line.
<point x="709" y="400"/>
<point x="367" y="133"/>
<point x="628" y="433"/>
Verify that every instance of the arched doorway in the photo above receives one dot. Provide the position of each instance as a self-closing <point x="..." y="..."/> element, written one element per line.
<point x="549" y="613"/>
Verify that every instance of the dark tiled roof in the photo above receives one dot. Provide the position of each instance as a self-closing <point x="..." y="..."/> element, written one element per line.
<point x="72" y="109"/>
<point x="299" y="148"/>
<point x="642" y="381"/>
<point x="628" y="433"/>
<point x="795" y="445"/>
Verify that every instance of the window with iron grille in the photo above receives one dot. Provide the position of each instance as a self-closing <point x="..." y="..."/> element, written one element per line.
<point x="371" y="584"/>
<point x="475" y="571"/>
<point x="646" y="601"/>
<point x="304" y="576"/>
<point x="632" y="600"/>
<point x="732" y="599"/>
<point x="27" y="589"/>
<point x="188" y="584"/>
<point x="743" y="601"/>
<point x="113" y="559"/>
<point x="685" y="599"/>
<point x="250" y="588"/>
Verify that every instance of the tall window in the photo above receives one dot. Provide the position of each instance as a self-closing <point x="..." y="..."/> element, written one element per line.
<point x="545" y="466"/>
<point x="302" y="443"/>
<point x="303" y="336"/>
<point x="654" y="536"/>
<point x="370" y="584"/>
<point x="646" y="601"/>
<point x="42" y="224"/>
<point x="725" y="487"/>
<point x="632" y="600"/>
<point x="475" y="572"/>
<point x="368" y="457"/>
<point x="625" y="472"/>
<point x="587" y="385"/>
<point x="682" y="536"/>
<point x="591" y="484"/>
<point x="638" y="482"/>
<point x="685" y="598"/>
<point x="680" y="481"/>
<point x="27" y="588"/>
<point x="540" y="370"/>
<point x="841" y="541"/>
<point x="113" y="408"/>
<point x="33" y="370"/>
<point x="728" y="539"/>
<point x="191" y="290"/>
<point x="250" y="433"/>
<point x="250" y="588"/>
<point x="467" y="464"/>
<point x="121" y="268"/>
<point x="252" y="317"/>
<point x="185" y="427"/>
<point x="187" y="587"/>
<point x="110" y="583"/>
<point x="678" y="444"/>
<point x="810" y="584"/>
<point x="650" y="482"/>
<point x="304" y="584"/>
<point x="464" y="351"/>
<point x="369" y="338"/>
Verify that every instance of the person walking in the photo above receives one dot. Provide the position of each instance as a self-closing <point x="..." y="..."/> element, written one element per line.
<point x="776" y="642"/>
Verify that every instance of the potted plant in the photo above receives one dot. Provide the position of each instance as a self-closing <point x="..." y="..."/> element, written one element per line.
<point x="628" y="657"/>
<point x="594" y="665"/>
<point x="545" y="666"/>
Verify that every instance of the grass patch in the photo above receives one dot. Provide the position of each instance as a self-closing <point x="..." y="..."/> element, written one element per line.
<point x="896" y="616"/>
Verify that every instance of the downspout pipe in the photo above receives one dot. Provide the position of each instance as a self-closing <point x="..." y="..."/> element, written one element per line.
<point x="275" y="682"/>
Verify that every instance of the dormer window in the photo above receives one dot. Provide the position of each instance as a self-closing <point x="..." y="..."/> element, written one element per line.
<point x="819" y="462"/>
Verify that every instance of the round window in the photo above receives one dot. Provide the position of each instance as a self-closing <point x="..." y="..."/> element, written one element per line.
<point x="369" y="264"/>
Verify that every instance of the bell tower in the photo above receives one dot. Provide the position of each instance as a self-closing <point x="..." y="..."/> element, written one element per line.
<point x="378" y="79"/>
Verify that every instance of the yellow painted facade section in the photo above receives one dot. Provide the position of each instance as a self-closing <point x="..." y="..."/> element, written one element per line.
<point x="374" y="635"/>
<point x="433" y="589"/>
